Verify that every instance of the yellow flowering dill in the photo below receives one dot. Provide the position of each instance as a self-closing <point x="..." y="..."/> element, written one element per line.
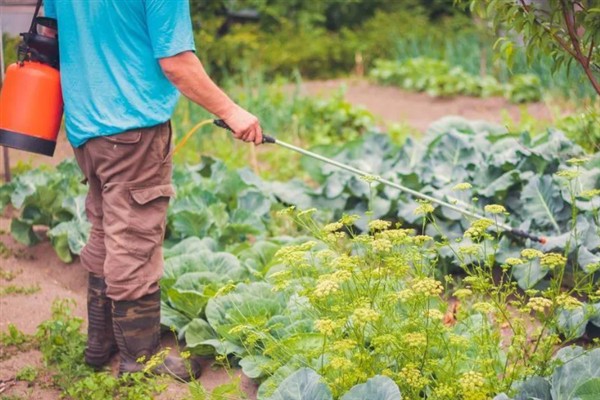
<point x="444" y="391"/>
<point x="463" y="293"/>
<point x="340" y="363"/>
<point x="405" y="294"/>
<point x="494" y="209"/>
<point x="553" y="260"/>
<point x="332" y="227"/>
<point x="427" y="286"/>
<point x="379" y="225"/>
<point x="512" y="261"/>
<point x="345" y="262"/>
<point x="381" y="245"/>
<point x="471" y="384"/>
<point x="458" y="340"/>
<point x="434" y="314"/>
<point x="362" y="239"/>
<point x="462" y="186"/>
<point x="568" y="302"/>
<point x="530" y="254"/>
<point x="424" y="208"/>
<point x="325" y="326"/>
<point x="333" y="237"/>
<point x="568" y="174"/>
<point x="364" y="315"/>
<point x="588" y="194"/>
<point x="413" y="377"/>
<point x="225" y="289"/>
<point x="483" y="307"/>
<point x="326" y="287"/>
<point x="348" y="220"/>
<point x="478" y="228"/>
<point x="470" y="250"/>
<point x="539" y="304"/>
<point x="341" y="276"/>
<point x="578" y="160"/>
<point x="420" y="240"/>
<point x="414" y="339"/>
<point x="382" y="342"/>
<point x="343" y="345"/>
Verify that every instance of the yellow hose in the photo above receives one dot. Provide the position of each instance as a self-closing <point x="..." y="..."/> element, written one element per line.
<point x="190" y="133"/>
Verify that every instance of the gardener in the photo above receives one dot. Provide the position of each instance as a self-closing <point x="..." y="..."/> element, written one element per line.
<point x="121" y="65"/>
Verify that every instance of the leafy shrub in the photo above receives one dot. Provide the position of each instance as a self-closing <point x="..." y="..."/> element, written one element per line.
<point x="438" y="78"/>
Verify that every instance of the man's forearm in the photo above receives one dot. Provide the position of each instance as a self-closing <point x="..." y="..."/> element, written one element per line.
<point x="186" y="72"/>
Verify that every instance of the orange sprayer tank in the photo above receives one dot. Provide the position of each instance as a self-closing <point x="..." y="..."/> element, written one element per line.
<point x="31" y="107"/>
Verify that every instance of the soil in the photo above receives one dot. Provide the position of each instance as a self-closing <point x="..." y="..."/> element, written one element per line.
<point x="38" y="266"/>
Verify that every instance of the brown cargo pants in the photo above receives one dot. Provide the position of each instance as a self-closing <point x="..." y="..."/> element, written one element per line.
<point x="129" y="178"/>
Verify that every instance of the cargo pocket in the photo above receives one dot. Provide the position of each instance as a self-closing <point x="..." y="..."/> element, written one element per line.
<point x="147" y="218"/>
<point x="127" y="137"/>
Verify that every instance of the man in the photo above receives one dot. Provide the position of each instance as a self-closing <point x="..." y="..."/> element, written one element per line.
<point x="122" y="63"/>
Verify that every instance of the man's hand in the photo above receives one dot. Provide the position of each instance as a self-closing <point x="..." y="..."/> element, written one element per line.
<point x="244" y="125"/>
<point x="186" y="72"/>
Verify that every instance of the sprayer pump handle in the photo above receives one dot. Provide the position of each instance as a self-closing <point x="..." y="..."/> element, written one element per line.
<point x="221" y="124"/>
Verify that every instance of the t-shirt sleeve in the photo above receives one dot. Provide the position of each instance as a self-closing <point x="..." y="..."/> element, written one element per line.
<point x="169" y="26"/>
<point x="50" y="8"/>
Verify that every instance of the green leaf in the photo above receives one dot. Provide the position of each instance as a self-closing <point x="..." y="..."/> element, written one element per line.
<point x="377" y="388"/>
<point x="534" y="388"/>
<point x="172" y="318"/>
<point x="304" y="384"/>
<point x="255" y="366"/>
<point x="542" y="203"/>
<point x="528" y="275"/>
<point x="23" y="232"/>
<point x="589" y="390"/>
<point x="579" y="366"/>
<point x="197" y="332"/>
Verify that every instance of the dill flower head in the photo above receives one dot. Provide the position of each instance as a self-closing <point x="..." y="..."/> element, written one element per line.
<point x="348" y="219"/>
<point x="381" y="245"/>
<point x="588" y="194"/>
<point x="413" y="377"/>
<point x="379" y="225"/>
<point x="427" y="286"/>
<point x="578" y="160"/>
<point x="568" y="302"/>
<point x="494" y="209"/>
<point x="539" y="304"/>
<point x="463" y="293"/>
<point x="325" y="287"/>
<point x="483" y="307"/>
<point x="325" y="326"/>
<point x="471" y="384"/>
<point x="424" y="208"/>
<point x="568" y="174"/>
<point x="512" y="261"/>
<point x="340" y="363"/>
<point x="478" y="228"/>
<point x="462" y="186"/>
<point x="553" y="260"/>
<point x="306" y="213"/>
<point x="332" y="227"/>
<point x="364" y="315"/>
<point x="530" y="254"/>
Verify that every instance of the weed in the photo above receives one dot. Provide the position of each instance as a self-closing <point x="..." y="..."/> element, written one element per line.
<point x="5" y="251"/>
<point x="9" y="275"/>
<point x="14" y="337"/>
<point x="14" y="289"/>
<point x="27" y="374"/>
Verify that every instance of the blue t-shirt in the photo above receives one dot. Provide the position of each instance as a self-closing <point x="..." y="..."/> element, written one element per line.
<point x="109" y="50"/>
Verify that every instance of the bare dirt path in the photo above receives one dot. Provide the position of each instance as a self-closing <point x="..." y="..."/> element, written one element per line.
<point x="38" y="266"/>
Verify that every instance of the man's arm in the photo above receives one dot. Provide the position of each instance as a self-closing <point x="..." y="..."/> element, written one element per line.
<point x="186" y="72"/>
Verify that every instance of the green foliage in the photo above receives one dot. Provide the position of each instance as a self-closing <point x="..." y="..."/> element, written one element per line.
<point x="583" y="128"/>
<point x="27" y="374"/>
<point x="51" y="198"/>
<point x="14" y="337"/>
<point x="438" y="78"/>
<point x="566" y="30"/>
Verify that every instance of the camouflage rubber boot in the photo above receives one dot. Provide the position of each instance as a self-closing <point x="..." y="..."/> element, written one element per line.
<point x="101" y="343"/>
<point x="137" y="331"/>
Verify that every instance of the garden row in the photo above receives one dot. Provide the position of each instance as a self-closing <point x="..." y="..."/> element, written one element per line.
<point x="329" y="308"/>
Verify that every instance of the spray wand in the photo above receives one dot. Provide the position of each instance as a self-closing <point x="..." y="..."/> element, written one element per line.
<point x="269" y="139"/>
